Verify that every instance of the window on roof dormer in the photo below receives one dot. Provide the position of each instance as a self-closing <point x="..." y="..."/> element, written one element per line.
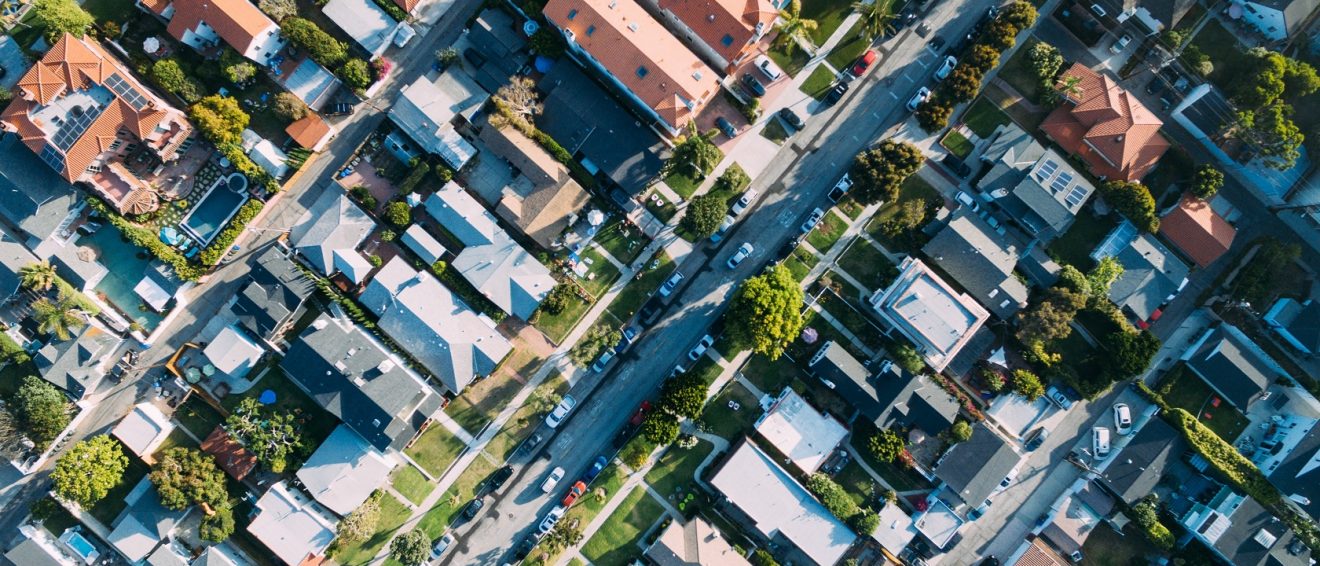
<point x="727" y="40"/>
<point x="572" y="14"/>
<point x="641" y="72"/>
<point x="591" y="30"/>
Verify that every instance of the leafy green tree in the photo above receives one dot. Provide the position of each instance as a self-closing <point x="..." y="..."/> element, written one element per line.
<point x="982" y="58"/>
<point x="865" y="522"/>
<point x="694" y="155"/>
<point x="1027" y="384"/>
<point x="595" y="341"/>
<point x="732" y="180"/>
<point x="220" y="119"/>
<point x="411" y="548"/>
<point x="1263" y="83"/>
<point x="41" y="410"/>
<point x="1074" y="280"/>
<point x="184" y="477"/>
<point x="1144" y="515"/>
<point x="911" y="215"/>
<point x="877" y="174"/>
<point x="765" y="313"/>
<point x="278" y="9"/>
<point x="237" y="69"/>
<point x="558" y="299"/>
<point x="876" y="18"/>
<point x="886" y="445"/>
<point x="561" y="536"/>
<point x="61" y="17"/>
<point x="704" y="215"/>
<point x="89" y="470"/>
<point x="356" y="74"/>
<point x="1045" y="60"/>
<point x="1134" y="201"/>
<point x="321" y="46"/>
<point x="684" y="395"/>
<point x="1000" y="34"/>
<point x="963" y="83"/>
<point x="1299" y="78"/>
<point x="933" y="115"/>
<point x="762" y="557"/>
<point x="1130" y="353"/>
<point x="545" y="42"/>
<point x="1048" y="320"/>
<point x="908" y="358"/>
<point x="359" y="525"/>
<point x="58" y="317"/>
<point x="38" y="275"/>
<point x="1197" y="60"/>
<point x="398" y="213"/>
<point x="273" y="438"/>
<point x="1020" y="14"/>
<point x="1255" y="282"/>
<point x="793" y="28"/>
<point x="660" y="427"/>
<point x="960" y="432"/>
<point x="169" y="75"/>
<point x="1208" y="180"/>
<point x="218" y="526"/>
<point x="288" y="106"/>
<point x="1273" y="133"/>
<point x="1103" y="276"/>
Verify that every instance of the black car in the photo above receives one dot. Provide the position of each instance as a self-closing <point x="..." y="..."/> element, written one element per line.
<point x="958" y="166"/>
<point x="499" y="477"/>
<point x="754" y="86"/>
<point x="339" y="109"/>
<point x="524" y="547"/>
<point x="791" y="118"/>
<point x="787" y="249"/>
<point x="649" y="311"/>
<point x="835" y="94"/>
<point x="473" y="508"/>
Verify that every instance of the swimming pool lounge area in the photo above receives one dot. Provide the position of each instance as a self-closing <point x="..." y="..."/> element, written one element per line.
<point x="220" y="203"/>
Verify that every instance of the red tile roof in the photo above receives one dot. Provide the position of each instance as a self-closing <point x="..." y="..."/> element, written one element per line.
<point x="407" y="5"/>
<point x="1198" y="230"/>
<point x="640" y="53"/>
<point x="1117" y="136"/>
<point x="713" y="20"/>
<point x="231" y="456"/>
<point x="238" y="22"/>
<point x="309" y="131"/>
<point x="1040" y="555"/>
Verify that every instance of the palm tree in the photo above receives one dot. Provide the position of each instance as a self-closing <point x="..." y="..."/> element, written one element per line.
<point x="876" y="19"/>
<point x="59" y="316"/>
<point x="793" y="28"/>
<point x="1071" y="87"/>
<point x="39" y="276"/>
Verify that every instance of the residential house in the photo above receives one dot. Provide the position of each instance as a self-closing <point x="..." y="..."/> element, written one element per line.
<point x="143" y="430"/>
<point x="273" y="296"/>
<point x="1297" y="323"/>
<point x="766" y="498"/>
<point x="328" y="235"/>
<point x="428" y="321"/>
<point x="232" y="352"/>
<point x="804" y="435"/>
<point x="35" y="202"/>
<point x="938" y="320"/>
<point x="939" y="524"/>
<point x="85" y="115"/>
<point x="1074" y="521"/>
<point x="344" y="471"/>
<point x="38" y="548"/>
<point x="364" y="21"/>
<point x="356" y="378"/>
<point x="1151" y="277"/>
<point x="981" y="261"/>
<point x="693" y="543"/>
<point x="896" y="530"/>
<point x="265" y="154"/>
<point x="1105" y="125"/>
<point x="296" y="529"/>
<point x="1036" y="552"/>
<point x="215" y="556"/>
<point x="78" y="365"/>
<point x="145" y="525"/>
<point x="1243" y="532"/>
<point x="422" y="243"/>
<point x="14" y="256"/>
<point x="203" y="24"/>
<point x="492" y="261"/>
<point x="430" y="110"/>
<point x="724" y="33"/>
<point x="972" y="470"/>
<point x="499" y="38"/>
<point x="1166" y="13"/>
<point x="1033" y="185"/>
<point x="1142" y="461"/>
<point x="890" y="397"/>
<point x="1233" y="365"/>
<point x="666" y="83"/>
<point x="1198" y="231"/>
<point x="543" y="199"/>
<point x="229" y="454"/>
<point x="311" y="132"/>
<point x="1277" y="20"/>
<point x="307" y="80"/>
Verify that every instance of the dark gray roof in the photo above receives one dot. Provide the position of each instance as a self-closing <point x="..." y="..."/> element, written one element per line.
<point x="598" y="129"/>
<point x="495" y="34"/>
<point x="1168" y="12"/>
<point x="1305" y="326"/>
<point x="1019" y="166"/>
<point x="1233" y="365"/>
<point x="974" y="468"/>
<point x="1299" y="472"/>
<point x="1251" y="525"/>
<point x="273" y="294"/>
<point x="32" y="196"/>
<point x="1138" y="467"/>
<point x="890" y="396"/>
<point x="350" y="374"/>
<point x="1096" y="499"/>
<point x="212" y="557"/>
<point x="13" y="257"/>
<point x="977" y="258"/>
<point x="72" y="364"/>
<point x="1151" y="273"/>
<point x="28" y="553"/>
<point x="333" y="223"/>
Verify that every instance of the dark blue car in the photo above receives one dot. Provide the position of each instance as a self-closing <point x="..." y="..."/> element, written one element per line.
<point x="595" y="469"/>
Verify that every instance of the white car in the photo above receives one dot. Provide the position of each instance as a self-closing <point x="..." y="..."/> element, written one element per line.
<point x="1122" y="419"/>
<point x="1122" y="42"/>
<point x="667" y="288"/>
<point x="740" y="255"/>
<point x="561" y="411"/>
<point x="550" y="519"/>
<point x="946" y="68"/>
<point x="922" y="95"/>
<point x="441" y="545"/>
<point x="768" y="68"/>
<point x="552" y="480"/>
<point x="700" y="349"/>
<point x="603" y="360"/>
<point x="724" y="228"/>
<point x="812" y="221"/>
<point x="840" y="188"/>
<point x="1100" y="442"/>
<point x="743" y="202"/>
<point x="966" y="200"/>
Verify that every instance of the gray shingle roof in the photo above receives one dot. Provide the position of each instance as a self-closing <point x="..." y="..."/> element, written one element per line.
<point x="977" y="258"/>
<point x="274" y="292"/>
<point x="332" y="223"/>
<point x="1251" y="526"/>
<point x="974" y="468"/>
<point x="1151" y="273"/>
<point x="889" y="396"/>
<point x="1137" y="469"/>
<point x="28" y="553"/>
<point x="32" y="196"/>
<point x="13" y="257"/>
<point x="1233" y="365"/>
<point x="72" y="365"/>
<point x="1019" y="166"/>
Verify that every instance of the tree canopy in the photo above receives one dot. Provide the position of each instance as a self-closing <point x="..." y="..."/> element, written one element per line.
<point x="356" y="73"/>
<point x="886" y="445"/>
<point x="287" y="105"/>
<point x="89" y="470"/>
<point x="684" y="395"/>
<point x="1134" y="201"/>
<point x="694" y="156"/>
<point x="61" y="17"/>
<point x="217" y="526"/>
<point x="219" y="118"/>
<point x="1130" y="353"/>
<point x="1048" y="320"/>
<point x="1208" y="180"/>
<point x="1027" y="384"/>
<point x="361" y="523"/>
<point x="321" y="46"/>
<point x="41" y="409"/>
<point x="185" y="476"/>
<point x="766" y="312"/>
<point x="704" y="215"/>
<point x="878" y="174"/>
<point x="660" y="427"/>
<point x="273" y="437"/>
<point x="411" y="548"/>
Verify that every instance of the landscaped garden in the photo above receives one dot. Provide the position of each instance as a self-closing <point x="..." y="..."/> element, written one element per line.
<point x="601" y="274"/>
<point x="1183" y="389"/>
<point x="673" y="473"/>
<point x="615" y="543"/>
<point x="800" y="262"/>
<point x="435" y="449"/>
<point x="827" y="232"/>
<point x="393" y="514"/>
<point x="982" y="117"/>
<point x="1074" y="247"/>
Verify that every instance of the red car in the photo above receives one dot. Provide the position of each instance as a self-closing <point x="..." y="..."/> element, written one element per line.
<point x="863" y="63"/>
<point x="573" y="493"/>
<point x="637" y="417"/>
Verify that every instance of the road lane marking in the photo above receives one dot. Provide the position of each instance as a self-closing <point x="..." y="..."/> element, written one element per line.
<point x="932" y="51"/>
<point x="894" y="95"/>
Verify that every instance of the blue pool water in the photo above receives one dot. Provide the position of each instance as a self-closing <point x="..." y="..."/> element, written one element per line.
<point x="80" y="545"/>
<point x="215" y="209"/>
<point x="126" y="264"/>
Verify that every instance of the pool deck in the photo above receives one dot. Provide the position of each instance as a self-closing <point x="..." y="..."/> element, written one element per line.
<point x="205" y="240"/>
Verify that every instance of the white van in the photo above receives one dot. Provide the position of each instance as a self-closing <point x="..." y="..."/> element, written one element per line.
<point x="1100" y="441"/>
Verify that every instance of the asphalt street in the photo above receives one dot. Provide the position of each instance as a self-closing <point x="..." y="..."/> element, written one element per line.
<point x="797" y="181"/>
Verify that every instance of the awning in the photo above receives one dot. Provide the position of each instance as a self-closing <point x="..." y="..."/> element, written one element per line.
<point x="153" y="294"/>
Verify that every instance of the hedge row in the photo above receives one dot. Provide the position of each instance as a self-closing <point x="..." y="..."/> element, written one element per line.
<point x="841" y="505"/>
<point x="147" y="239"/>
<point x="220" y="245"/>
<point x="245" y="165"/>
<point x="579" y="173"/>
<point x="466" y="291"/>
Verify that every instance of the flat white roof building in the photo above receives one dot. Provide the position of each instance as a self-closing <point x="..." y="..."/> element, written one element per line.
<point x="896" y="529"/>
<point x="292" y="526"/>
<point x="799" y="431"/>
<point x="233" y="353"/>
<point x="364" y="21"/>
<point x="143" y="429"/>
<point x="343" y="472"/>
<point x="924" y="308"/>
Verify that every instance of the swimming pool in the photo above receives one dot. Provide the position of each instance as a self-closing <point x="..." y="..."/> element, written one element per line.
<point x="80" y="546"/>
<point x="217" y="206"/>
<point x="125" y="266"/>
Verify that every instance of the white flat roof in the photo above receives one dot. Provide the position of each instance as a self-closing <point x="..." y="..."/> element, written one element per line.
<point x="800" y="432"/>
<point x="233" y="353"/>
<point x="896" y="529"/>
<point x="939" y="523"/>
<point x="291" y="525"/>
<point x="343" y="472"/>
<point x="143" y="429"/>
<point x="364" y="21"/>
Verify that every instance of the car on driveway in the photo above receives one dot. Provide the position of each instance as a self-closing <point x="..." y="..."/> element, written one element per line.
<point x="753" y="86"/>
<point x="922" y="95"/>
<point x="1100" y="441"/>
<point x="744" y="201"/>
<point x="810" y="223"/>
<point x="700" y="349"/>
<point x="1059" y="397"/>
<point x="835" y="94"/>
<point x="791" y="118"/>
<point x="966" y="200"/>
<point x="667" y="288"/>
<point x="552" y="480"/>
<point x="339" y="109"/>
<point x="1122" y="419"/>
<point x="557" y="416"/>
<point x="726" y="126"/>
<point x="743" y="251"/>
<point x="1120" y="44"/>
<point x="863" y="63"/>
<point x="574" y="493"/>
<point x="959" y="168"/>
<point x="946" y="68"/>
<point x="768" y="68"/>
<point x="1035" y="438"/>
<point x="724" y="228"/>
<point x="441" y="545"/>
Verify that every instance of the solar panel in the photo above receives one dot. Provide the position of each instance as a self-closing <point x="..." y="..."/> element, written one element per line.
<point x="1075" y="196"/>
<point x="1047" y="169"/>
<point x="52" y="157"/>
<point x="74" y="125"/>
<point x="1061" y="182"/>
<point x="126" y="92"/>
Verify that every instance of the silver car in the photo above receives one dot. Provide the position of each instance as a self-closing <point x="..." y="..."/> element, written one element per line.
<point x="557" y="416"/>
<point x="740" y="255"/>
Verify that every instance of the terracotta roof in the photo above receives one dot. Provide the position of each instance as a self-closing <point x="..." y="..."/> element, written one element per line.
<point x="715" y="20"/>
<point x="238" y="22"/>
<point x="231" y="456"/>
<point x="407" y="5"/>
<point x="1198" y="230"/>
<point x="640" y="53"/>
<point x="310" y="131"/>
<point x="1038" y="554"/>
<point x="1108" y="127"/>
<point x="156" y="6"/>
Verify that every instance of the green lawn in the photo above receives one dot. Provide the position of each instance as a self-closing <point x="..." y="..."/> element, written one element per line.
<point x="849" y="48"/>
<point x="502" y="445"/>
<point x="435" y="449"/>
<point x="622" y="242"/>
<point x="635" y="294"/>
<point x="957" y="144"/>
<point x="660" y="206"/>
<point x="604" y="488"/>
<point x="827" y="232"/>
<point x="411" y="483"/>
<point x="867" y="265"/>
<point x="770" y="376"/>
<point x="801" y="262"/>
<point x="1017" y="72"/>
<point x="1075" y="246"/>
<point x="790" y="62"/>
<point x="603" y="274"/>
<point x="1106" y="546"/>
<point x="615" y="544"/>
<point x="722" y="420"/>
<point x="483" y="400"/>
<point x="392" y="516"/>
<point x="850" y="208"/>
<point x="914" y="187"/>
<point x="1231" y="63"/>
<point x="861" y="487"/>
<point x="982" y="117"/>
<point x="437" y="518"/>
<point x="828" y="14"/>
<point x="1182" y="388"/>
<point x="199" y="417"/>
<point x="683" y="184"/>
<point x="109" y="507"/>
<point x="775" y="132"/>
<point x="676" y="468"/>
<point x="855" y="322"/>
<point x="117" y="11"/>
<point x="818" y="82"/>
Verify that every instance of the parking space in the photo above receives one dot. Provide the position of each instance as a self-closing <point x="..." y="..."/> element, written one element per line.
<point x="12" y="62"/>
<point x="1140" y="410"/>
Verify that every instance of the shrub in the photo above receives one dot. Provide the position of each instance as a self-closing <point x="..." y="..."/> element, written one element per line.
<point x="960" y="432"/>
<point x="398" y="213"/>
<point x="908" y="358"/>
<point x="220" y="245"/>
<point x="219" y="118"/>
<point x="1207" y="182"/>
<point x="1224" y="458"/>
<point x="547" y="42"/>
<point x="934" y="114"/>
<point x="704" y="215"/>
<point x="1027" y="384"/>
<point x="1134" y="201"/>
<point x="558" y="299"/>
<point x="635" y="453"/>
<point x="321" y="46"/>
<point x="169" y="75"/>
<point x="288" y="106"/>
<point x="834" y="497"/>
<point x="865" y="522"/>
<point x="684" y="395"/>
<point x="762" y="557"/>
<point x="278" y="9"/>
<point x="356" y="74"/>
<point x="660" y="428"/>
<point x="886" y="445"/>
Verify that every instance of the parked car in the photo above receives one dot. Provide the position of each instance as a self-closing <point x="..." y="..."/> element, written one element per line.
<point x="791" y="118"/>
<point x="498" y="478"/>
<point x="787" y="249"/>
<point x="738" y="256"/>
<point x="596" y="466"/>
<point x="667" y="288"/>
<point x="550" y="519"/>
<point x="524" y="547"/>
<point x="1122" y="419"/>
<point x="1100" y="441"/>
<point x="753" y="86"/>
<point x="473" y="507"/>
<point x="727" y="127"/>
<point x="724" y="228"/>
<point x="946" y="68"/>
<point x="604" y="360"/>
<point x="810" y="223"/>
<point x="863" y="63"/>
<point x="1098" y="10"/>
<point x="1035" y="438"/>
<point x="1053" y="393"/>
<point x="574" y="492"/>
<point x="744" y="201"/>
<point x="552" y="480"/>
<point x="628" y="335"/>
<point x="700" y="349"/>
<point x="835" y="94"/>
<point x="966" y="200"/>
<point x="560" y="412"/>
<point x="922" y="95"/>
<point x="768" y="68"/>
<point x="840" y="188"/>
<point x="640" y="414"/>
<point x="650" y="311"/>
<point x="339" y="109"/>
<point x="959" y="168"/>
<point x="441" y="545"/>
<point x="1120" y="44"/>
